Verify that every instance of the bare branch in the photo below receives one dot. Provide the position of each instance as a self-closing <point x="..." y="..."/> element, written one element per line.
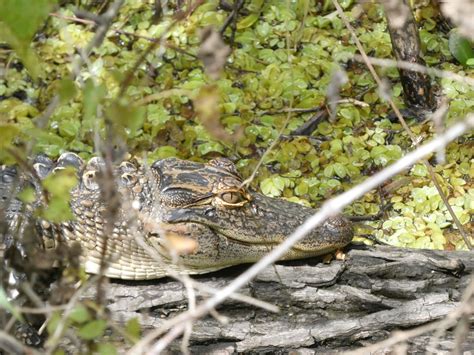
<point x="388" y="63"/>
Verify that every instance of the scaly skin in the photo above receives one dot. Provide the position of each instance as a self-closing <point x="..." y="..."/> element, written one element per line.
<point x="203" y="205"/>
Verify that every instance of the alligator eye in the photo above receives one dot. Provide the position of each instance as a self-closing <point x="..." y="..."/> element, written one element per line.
<point x="232" y="197"/>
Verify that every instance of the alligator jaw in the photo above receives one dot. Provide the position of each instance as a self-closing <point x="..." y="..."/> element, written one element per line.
<point x="263" y="224"/>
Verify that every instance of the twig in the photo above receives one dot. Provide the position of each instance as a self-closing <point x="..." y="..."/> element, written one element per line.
<point x="42" y="310"/>
<point x="291" y="110"/>
<point x="405" y="126"/>
<point x="232" y="20"/>
<point x="72" y="18"/>
<point x="249" y="180"/>
<point x="389" y="63"/>
<point x="328" y="209"/>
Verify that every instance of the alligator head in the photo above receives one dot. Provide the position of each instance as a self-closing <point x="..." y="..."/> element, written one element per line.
<point x="205" y="203"/>
<point x="230" y="223"/>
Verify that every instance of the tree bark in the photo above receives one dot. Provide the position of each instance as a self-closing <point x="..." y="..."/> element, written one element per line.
<point x="406" y="47"/>
<point x="340" y="306"/>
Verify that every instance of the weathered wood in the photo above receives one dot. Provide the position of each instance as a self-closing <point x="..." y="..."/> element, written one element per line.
<point x="343" y="305"/>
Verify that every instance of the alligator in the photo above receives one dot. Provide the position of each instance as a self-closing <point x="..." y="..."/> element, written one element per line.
<point x="206" y="205"/>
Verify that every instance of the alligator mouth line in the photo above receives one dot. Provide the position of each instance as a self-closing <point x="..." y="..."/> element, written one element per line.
<point x="322" y="248"/>
<point x="262" y="242"/>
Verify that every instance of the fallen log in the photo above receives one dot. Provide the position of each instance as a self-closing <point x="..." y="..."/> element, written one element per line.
<point x="341" y="306"/>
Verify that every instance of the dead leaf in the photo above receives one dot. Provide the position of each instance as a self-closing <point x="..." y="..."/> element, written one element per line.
<point x="179" y="244"/>
<point x="213" y="52"/>
<point x="206" y="105"/>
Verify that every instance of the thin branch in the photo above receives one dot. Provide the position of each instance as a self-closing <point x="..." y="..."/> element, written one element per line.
<point x="329" y="208"/>
<point x="47" y="308"/>
<point x="292" y="110"/>
<point x="390" y="63"/>
<point x="249" y="180"/>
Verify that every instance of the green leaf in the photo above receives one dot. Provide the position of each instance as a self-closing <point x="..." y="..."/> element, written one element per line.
<point x="79" y="314"/>
<point x="127" y="116"/>
<point x="340" y="170"/>
<point x="272" y="186"/>
<point x="93" y="94"/>
<point x="460" y="47"/>
<point x="67" y="90"/>
<point x="210" y="147"/>
<point x="163" y="152"/>
<point x="302" y="189"/>
<point x="106" y="349"/>
<point x="53" y="322"/>
<point x="92" y="330"/>
<point x="59" y="186"/>
<point x="69" y="128"/>
<point x="247" y="21"/>
<point x="47" y="142"/>
<point x="61" y="182"/>
<point x="255" y="5"/>
<point x="27" y="195"/>
<point x="19" y="21"/>
<point x="329" y="171"/>
<point x="8" y="133"/>
<point x="419" y="170"/>
<point x="133" y="328"/>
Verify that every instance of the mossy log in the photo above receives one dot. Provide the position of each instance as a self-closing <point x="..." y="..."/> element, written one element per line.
<point x="340" y="306"/>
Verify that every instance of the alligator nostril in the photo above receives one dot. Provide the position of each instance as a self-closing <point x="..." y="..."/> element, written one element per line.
<point x="128" y="179"/>
<point x="41" y="169"/>
<point x="89" y="180"/>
